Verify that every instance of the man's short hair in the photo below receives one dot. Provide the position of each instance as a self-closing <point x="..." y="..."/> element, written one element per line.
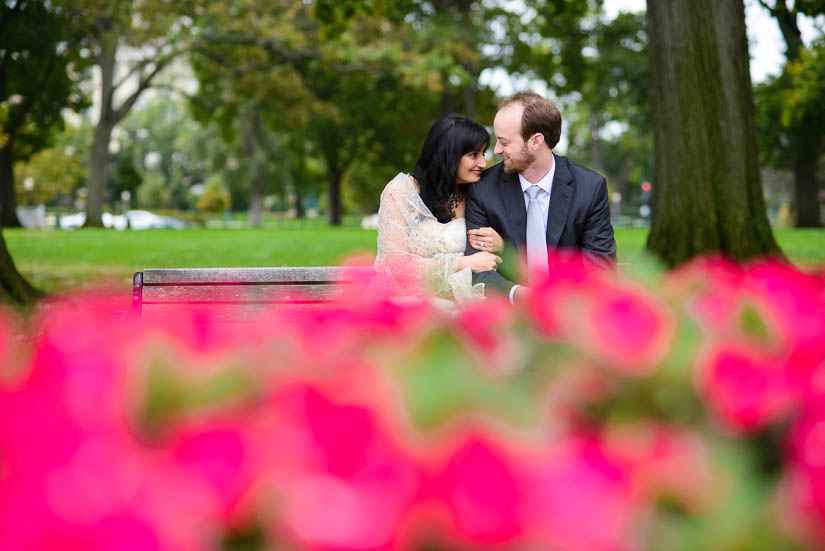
<point x="540" y="116"/>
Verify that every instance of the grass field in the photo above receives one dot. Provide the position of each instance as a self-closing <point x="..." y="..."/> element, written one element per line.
<point x="60" y="260"/>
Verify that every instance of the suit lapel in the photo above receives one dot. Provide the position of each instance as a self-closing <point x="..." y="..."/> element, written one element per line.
<point x="560" y="196"/>
<point x="513" y="200"/>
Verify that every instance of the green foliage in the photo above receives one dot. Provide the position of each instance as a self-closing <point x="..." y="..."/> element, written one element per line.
<point x="126" y="176"/>
<point x="50" y="172"/>
<point x="38" y="35"/>
<point x="790" y="111"/>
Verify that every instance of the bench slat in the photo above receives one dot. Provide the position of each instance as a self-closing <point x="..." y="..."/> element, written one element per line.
<point x="236" y="293"/>
<point x="252" y="276"/>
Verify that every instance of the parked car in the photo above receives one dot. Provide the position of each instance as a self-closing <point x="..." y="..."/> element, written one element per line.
<point x="144" y="220"/>
<point x="132" y="219"/>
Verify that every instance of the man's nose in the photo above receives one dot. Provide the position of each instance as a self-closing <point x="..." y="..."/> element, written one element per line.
<point x="497" y="150"/>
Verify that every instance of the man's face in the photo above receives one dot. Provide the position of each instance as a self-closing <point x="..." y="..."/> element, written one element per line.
<point x="510" y="146"/>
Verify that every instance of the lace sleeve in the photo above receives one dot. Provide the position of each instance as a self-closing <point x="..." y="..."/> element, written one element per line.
<point x="402" y="223"/>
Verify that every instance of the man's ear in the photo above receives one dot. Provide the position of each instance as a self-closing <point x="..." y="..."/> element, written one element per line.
<point x="536" y="140"/>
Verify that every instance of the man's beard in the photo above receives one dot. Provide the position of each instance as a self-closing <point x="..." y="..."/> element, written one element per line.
<point x="519" y="165"/>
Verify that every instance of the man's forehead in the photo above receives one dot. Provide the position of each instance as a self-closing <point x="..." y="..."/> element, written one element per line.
<point x="508" y="117"/>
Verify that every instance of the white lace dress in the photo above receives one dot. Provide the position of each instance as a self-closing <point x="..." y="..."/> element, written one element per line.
<point x="415" y="249"/>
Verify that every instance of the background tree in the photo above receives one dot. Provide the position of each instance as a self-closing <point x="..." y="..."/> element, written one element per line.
<point x="369" y="85"/>
<point x="32" y="34"/>
<point x="154" y="32"/>
<point x="30" y="104"/>
<point x="597" y="71"/>
<point x="790" y="112"/>
<point x="707" y="191"/>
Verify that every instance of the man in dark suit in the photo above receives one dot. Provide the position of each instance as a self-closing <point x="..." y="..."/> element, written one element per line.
<point x="535" y="199"/>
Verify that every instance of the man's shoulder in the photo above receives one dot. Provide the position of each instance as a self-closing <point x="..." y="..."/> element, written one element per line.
<point x="489" y="180"/>
<point x="580" y="173"/>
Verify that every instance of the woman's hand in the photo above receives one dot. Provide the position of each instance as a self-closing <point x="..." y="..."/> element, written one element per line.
<point x="486" y="239"/>
<point x="479" y="262"/>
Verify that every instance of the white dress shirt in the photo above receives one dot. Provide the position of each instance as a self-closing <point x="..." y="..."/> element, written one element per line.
<point x="546" y="185"/>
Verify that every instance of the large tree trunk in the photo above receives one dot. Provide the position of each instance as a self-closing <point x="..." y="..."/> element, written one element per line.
<point x="707" y="191"/>
<point x="8" y="202"/>
<point x="14" y="289"/>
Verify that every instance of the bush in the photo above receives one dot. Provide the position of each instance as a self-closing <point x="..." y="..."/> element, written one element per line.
<point x="215" y="197"/>
<point x="682" y="413"/>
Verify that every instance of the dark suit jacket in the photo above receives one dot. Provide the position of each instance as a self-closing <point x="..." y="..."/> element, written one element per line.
<point x="578" y="218"/>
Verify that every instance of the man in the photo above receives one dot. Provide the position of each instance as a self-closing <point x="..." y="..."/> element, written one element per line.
<point x="535" y="199"/>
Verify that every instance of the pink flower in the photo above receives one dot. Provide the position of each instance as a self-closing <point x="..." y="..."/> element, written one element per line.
<point x="665" y="461"/>
<point x="746" y="389"/>
<point x="802" y="493"/>
<point x="501" y="494"/>
<point x="578" y="483"/>
<point x="488" y="328"/>
<point x="343" y="482"/>
<point x="613" y="321"/>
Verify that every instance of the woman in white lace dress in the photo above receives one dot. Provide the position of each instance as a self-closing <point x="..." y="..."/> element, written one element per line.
<point x="421" y="230"/>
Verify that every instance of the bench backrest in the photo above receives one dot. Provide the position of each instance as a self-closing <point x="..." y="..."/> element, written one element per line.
<point x="233" y="294"/>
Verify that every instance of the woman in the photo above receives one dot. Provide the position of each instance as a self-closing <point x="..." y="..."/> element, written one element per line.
<point x="421" y="231"/>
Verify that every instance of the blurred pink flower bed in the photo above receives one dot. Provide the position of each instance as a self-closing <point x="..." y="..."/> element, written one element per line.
<point x="682" y="409"/>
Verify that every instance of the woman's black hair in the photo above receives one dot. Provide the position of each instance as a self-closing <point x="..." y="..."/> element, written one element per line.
<point x="450" y="137"/>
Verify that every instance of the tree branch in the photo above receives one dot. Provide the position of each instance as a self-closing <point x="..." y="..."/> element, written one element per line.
<point x="144" y="62"/>
<point x="223" y="61"/>
<point x="145" y="82"/>
<point x="296" y="57"/>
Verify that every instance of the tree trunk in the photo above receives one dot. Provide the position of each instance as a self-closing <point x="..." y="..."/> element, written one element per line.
<point x="99" y="159"/>
<point x="8" y="202"/>
<point x="300" y="212"/>
<point x="707" y="191"/>
<point x="803" y="149"/>
<point x="789" y="28"/>
<point x="255" y="199"/>
<point x="98" y="175"/>
<point x="14" y="289"/>
<point x="595" y="146"/>
<point x="806" y="190"/>
<point x="334" y="215"/>
<point x="251" y="140"/>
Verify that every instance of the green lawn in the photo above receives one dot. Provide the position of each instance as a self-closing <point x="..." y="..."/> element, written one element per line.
<point x="57" y="260"/>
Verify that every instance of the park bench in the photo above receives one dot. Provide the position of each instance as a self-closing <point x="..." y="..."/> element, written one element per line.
<point x="235" y="294"/>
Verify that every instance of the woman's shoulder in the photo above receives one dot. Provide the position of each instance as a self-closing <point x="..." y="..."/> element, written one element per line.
<point x="402" y="184"/>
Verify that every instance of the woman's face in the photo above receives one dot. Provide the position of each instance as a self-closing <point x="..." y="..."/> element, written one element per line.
<point x="470" y="167"/>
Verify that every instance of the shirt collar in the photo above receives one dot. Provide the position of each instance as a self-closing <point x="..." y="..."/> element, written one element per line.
<point x="546" y="183"/>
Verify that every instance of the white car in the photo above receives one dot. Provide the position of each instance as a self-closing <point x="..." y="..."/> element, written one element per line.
<point x="144" y="220"/>
<point x="369" y="222"/>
